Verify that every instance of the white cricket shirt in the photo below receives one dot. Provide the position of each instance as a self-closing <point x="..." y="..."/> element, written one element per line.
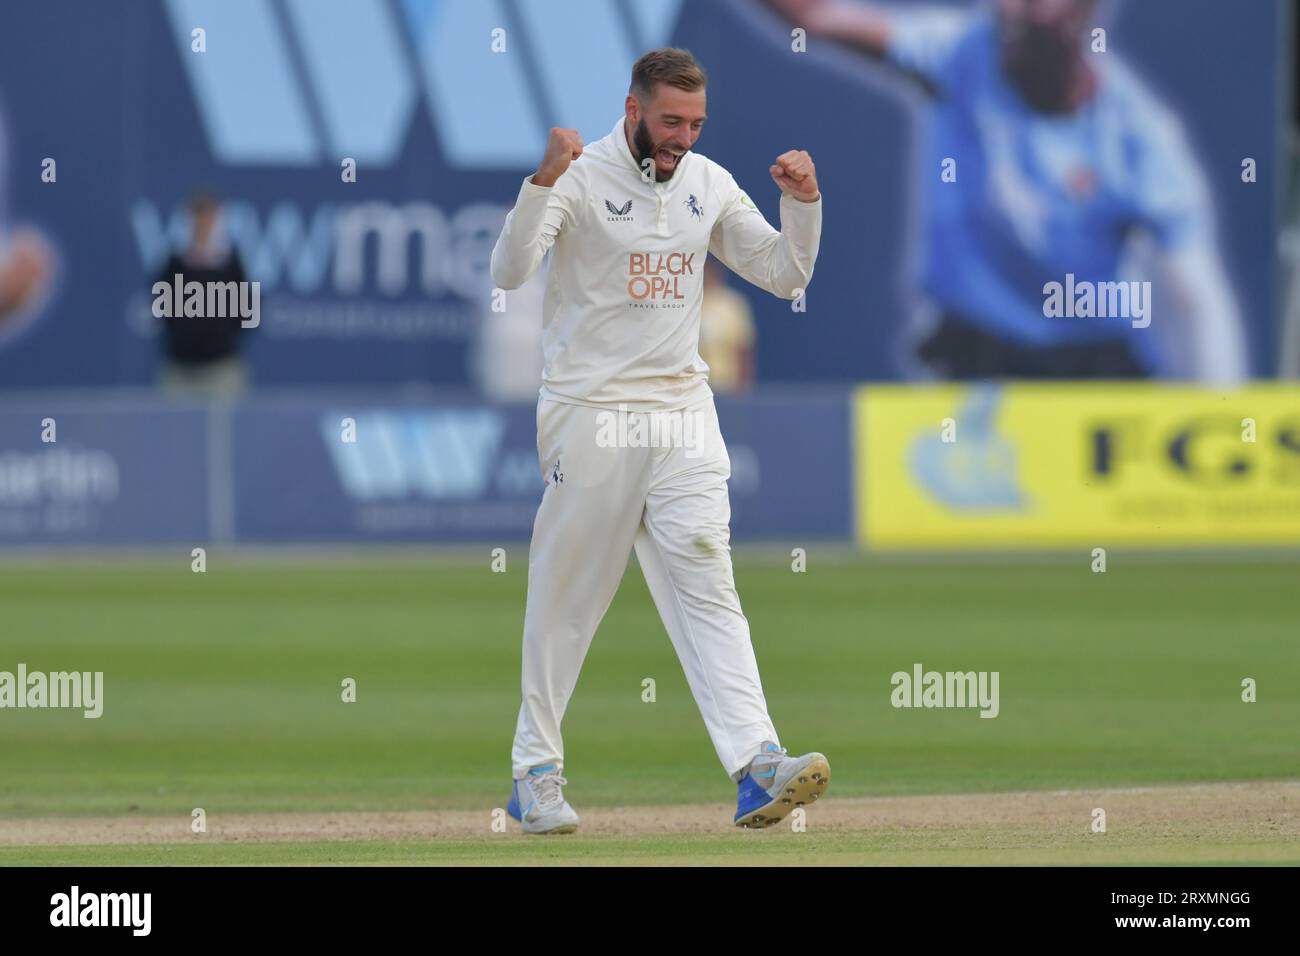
<point x="621" y="320"/>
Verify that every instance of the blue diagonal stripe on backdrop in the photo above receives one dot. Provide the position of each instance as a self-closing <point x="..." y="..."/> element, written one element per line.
<point x="247" y="96"/>
<point x="360" y="73"/>
<point x="655" y="20"/>
<point x="478" y="100"/>
<point x="586" y="61"/>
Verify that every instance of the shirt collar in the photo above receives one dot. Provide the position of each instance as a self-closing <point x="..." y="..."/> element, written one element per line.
<point x="619" y="135"/>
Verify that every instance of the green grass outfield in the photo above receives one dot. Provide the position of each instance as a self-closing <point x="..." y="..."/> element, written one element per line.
<point x="222" y="691"/>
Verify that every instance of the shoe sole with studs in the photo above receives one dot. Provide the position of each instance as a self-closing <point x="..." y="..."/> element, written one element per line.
<point x="802" y="789"/>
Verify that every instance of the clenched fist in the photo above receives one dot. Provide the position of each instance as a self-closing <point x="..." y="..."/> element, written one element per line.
<point x="795" y="173"/>
<point x="562" y="147"/>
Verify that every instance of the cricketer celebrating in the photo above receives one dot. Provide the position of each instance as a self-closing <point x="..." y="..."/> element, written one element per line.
<point x="631" y="218"/>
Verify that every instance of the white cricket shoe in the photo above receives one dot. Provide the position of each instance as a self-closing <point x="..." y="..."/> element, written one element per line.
<point x="538" y="803"/>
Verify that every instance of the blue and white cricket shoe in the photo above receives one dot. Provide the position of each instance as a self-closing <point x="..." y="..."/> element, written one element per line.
<point x="775" y="784"/>
<point x="538" y="803"/>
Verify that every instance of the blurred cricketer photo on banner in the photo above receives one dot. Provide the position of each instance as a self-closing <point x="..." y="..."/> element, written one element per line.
<point x="1030" y="465"/>
<point x="1050" y="159"/>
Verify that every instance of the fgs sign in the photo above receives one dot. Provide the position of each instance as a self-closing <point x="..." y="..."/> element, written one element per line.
<point x="1209" y="450"/>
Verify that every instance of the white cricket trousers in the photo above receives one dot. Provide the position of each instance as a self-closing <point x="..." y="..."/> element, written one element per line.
<point x="657" y="482"/>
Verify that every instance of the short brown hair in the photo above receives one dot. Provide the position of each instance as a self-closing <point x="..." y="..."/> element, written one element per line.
<point x="668" y="65"/>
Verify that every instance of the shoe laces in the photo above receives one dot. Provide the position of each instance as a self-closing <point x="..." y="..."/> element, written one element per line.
<point x="546" y="789"/>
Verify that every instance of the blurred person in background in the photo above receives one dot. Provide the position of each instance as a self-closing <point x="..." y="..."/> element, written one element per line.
<point x="202" y="354"/>
<point x="1062" y="156"/>
<point x="726" y="333"/>
<point x="506" y="356"/>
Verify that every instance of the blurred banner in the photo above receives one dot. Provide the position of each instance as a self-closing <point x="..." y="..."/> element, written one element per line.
<point x="1077" y="465"/>
<point x="102" y="472"/>
<point x="443" y="108"/>
<point x="907" y="467"/>
<point x="314" y="471"/>
<point x="470" y="472"/>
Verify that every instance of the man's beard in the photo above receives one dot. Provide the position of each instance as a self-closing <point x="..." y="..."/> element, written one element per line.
<point x="645" y="150"/>
<point x="1046" y="67"/>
